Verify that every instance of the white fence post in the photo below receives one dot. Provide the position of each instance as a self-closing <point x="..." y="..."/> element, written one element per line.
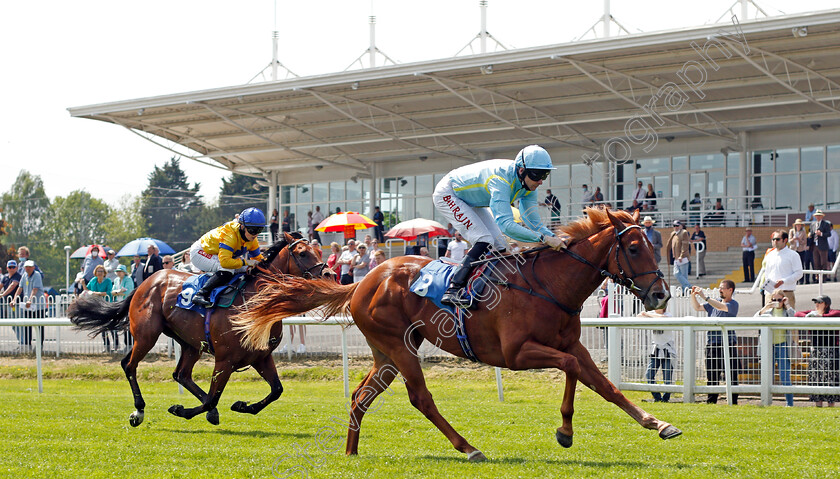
<point x="689" y="363"/>
<point x="38" y="358"/>
<point x="766" y="358"/>
<point x="344" y="362"/>
<point x="614" y="355"/>
<point x="499" y="384"/>
<point x="727" y="369"/>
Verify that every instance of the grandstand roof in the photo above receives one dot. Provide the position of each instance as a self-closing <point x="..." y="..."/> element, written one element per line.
<point x="573" y="95"/>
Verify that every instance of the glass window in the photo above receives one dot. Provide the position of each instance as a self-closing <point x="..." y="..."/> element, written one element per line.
<point x="706" y="162"/>
<point x="390" y="187"/>
<point x="716" y="186"/>
<point x="731" y="201"/>
<point x="300" y="220"/>
<point x="304" y="193"/>
<point x="624" y="172"/>
<point x="762" y="162"/>
<point x="811" y="185"/>
<point x="355" y="206"/>
<point x="679" y="189"/>
<point x="833" y="196"/>
<point x="425" y="186"/>
<point x="680" y="163"/>
<point x="786" y="196"/>
<point x="425" y="208"/>
<point x="649" y="166"/>
<point x="581" y="175"/>
<point x="336" y="191"/>
<point x="319" y="192"/>
<point x="733" y="164"/>
<point x="560" y="176"/>
<point x="787" y="160"/>
<point x="662" y="187"/>
<point x="354" y="190"/>
<point x="833" y="154"/>
<point x="812" y="159"/>
<point x="763" y="190"/>
<point x="406" y="185"/>
<point x="287" y="195"/>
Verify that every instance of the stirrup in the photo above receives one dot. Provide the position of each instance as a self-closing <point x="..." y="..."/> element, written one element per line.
<point x="455" y="297"/>
<point x="202" y="301"/>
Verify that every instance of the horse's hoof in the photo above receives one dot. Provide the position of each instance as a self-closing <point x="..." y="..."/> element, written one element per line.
<point x="564" y="440"/>
<point x="176" y="410"/>
<point x="213" y="416"/>
<point x="135" y="418"/>
<point x="669" y="432"/>
<point x="239" y="406"/>
<point x="476" y="456"/>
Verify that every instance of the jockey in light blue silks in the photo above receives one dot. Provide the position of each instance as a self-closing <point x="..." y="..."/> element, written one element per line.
<point x="477" y="199"/>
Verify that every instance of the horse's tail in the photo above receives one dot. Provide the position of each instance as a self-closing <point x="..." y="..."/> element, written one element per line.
<point x="284" y="297"/>
<point x="92" y="314"/>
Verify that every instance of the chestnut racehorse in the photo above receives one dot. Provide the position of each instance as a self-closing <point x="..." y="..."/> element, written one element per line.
<point x="532" y="321"/>
<point x="150" y="310"/>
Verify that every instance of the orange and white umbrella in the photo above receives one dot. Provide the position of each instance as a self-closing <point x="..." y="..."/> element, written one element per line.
<point x="341" y="222"/>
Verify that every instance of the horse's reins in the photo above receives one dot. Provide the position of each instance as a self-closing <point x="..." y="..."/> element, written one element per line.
<point x="620" y="278"/>
<point x="305" y="272"/>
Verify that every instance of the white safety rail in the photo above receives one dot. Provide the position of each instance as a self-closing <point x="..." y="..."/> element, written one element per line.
<point x="821" y="273"/>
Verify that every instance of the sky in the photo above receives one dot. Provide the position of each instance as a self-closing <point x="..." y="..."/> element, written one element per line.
<point x="59" y="54"/>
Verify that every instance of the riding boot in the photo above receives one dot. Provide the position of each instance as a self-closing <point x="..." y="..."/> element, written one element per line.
<point x="202" y="297"/>
<point x="453" y="295"/>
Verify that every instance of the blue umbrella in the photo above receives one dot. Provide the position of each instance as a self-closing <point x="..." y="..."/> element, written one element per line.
<point x="140" y="246"/>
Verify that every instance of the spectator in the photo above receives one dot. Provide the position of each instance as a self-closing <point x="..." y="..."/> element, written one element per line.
<point x="700" y="237"/>
<point x="274" y="225"/>
<point x="424" y="251"/>
<point x="634" y="207"/>
<point x="554" y="207"/>
<point x="317" y="218"/>
<point x="726" y="307"/>
<point x="122" y="286"/>
<point x="11" y="281"/>
<point x="678" y="244"/>
<point x="137" y="270"/>
<point x="101" y="286"/>
<point x="346" y="262"/>
<point x="316" y="246"/>
<point x="111" y="265"/>
<point x="695" y="205"/>
<point x="30" y="295"/>
<point x="451" y="229"/>
<point x="23" y="257"/>
<point x="378" y="258"/>
<point x="782" y="267"/>
<point x="361" y="263"/>
<point x="153" y="262"/>
<point x="379" y="219"/>
<point x="310" y="227"/>
<point x="371" y="245"/>
<point x="833" y="243"/>
<point x="587" y="196"/>
<point x="456" y="250"/>
<point x="654" y="237"/>
<point x="662" y="354"/>
<point x="337" y="209"/>
<point x="715" y="217"/>
<point x="824" y="363"/>
<point x="638" y="194"/>
<point x="597" y="197"/>
<point x="650" y="200"/>
<point x="287" y="221"/>
<point x="186" y="264"/>
<point x="332" y="259"/>
<point x="779" y="306"/>
<point x="799" y="243"/>
<point x="90" y="263"/>
<point x="748" y="245"/>
<point x="820" y="232"/>
<point x="809" y="214"/>
<point x="168" y="262"/>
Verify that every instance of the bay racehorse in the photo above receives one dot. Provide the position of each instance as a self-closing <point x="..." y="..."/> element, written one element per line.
<point x="533" y="322"/>
<point x="150" y="310"/>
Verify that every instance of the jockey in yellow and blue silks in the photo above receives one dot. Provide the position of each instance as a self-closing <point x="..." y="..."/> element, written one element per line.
<point x="228" y="249"/>
<point x="477" y="199"/>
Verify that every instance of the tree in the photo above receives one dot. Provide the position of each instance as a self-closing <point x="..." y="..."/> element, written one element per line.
<point x="239" y="192"/>
<point x="25" y="208"/>
<point x="170" y="205"/>
<point x="125" y="223"/>
<point x="77" y="220"/>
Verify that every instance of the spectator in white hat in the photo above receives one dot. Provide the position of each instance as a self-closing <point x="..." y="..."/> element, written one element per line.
<point x="654" y="237"/>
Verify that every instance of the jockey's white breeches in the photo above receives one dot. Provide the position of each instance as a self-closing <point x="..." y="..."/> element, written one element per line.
<point x="474" y="224"/>
<point x="207" y="262"/>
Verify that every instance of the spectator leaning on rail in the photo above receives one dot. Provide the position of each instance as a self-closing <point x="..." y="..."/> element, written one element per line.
<point x="361" y="263"/>
<point x="824" y="363"/>
<point x="726" y="307"/>
<point x="782" y="267"/>
<point x="780" y="307"/>
<point x="477" y="199"/>
<point x="228" y="249"/>
<point x="820" y="232"/>
<point x="30" y="296"/>
<point x="662" y="355"/>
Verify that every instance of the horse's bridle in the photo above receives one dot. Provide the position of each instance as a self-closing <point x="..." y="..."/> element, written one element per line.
<point x="306" y="272"/>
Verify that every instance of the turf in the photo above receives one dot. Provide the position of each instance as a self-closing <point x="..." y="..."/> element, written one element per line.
<point x="78" y="428"/>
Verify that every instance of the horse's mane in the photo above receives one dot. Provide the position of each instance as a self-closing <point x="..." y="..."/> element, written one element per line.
<point x="278" y="246"/>
<point x="596" y="219"/>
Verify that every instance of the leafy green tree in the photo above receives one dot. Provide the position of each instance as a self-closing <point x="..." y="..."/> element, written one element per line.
<point x="170" y="205"/>
<point x="239" y="192"/>
<point x="25" y="208"/>
<point x="125" y="223"/>
<point x="77" y="220"/>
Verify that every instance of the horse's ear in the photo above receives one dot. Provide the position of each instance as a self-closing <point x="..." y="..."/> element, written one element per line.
<point x="615" y="221"/>
<point x="636" y="217"/>
<point x="289" y="238"/>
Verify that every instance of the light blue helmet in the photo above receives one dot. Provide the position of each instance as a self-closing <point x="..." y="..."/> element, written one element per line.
<point x="252" y="217"/>
<point x="534" y="157"/>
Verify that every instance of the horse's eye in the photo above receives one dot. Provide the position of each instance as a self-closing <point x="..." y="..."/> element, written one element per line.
<point x="633" y="249"/>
